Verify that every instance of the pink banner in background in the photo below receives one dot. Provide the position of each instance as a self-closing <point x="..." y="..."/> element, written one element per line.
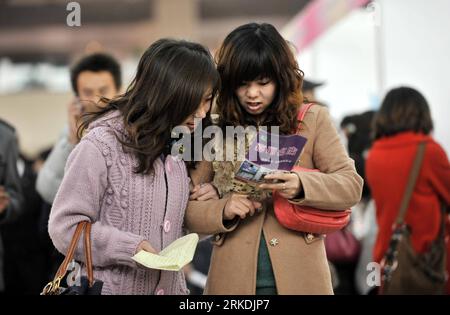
<point x="316" y="18"/>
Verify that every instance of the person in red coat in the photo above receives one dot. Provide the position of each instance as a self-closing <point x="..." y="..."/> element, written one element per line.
<point x="403" y="121"/>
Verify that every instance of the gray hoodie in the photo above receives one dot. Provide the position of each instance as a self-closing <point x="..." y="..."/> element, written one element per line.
<point x="52" y="172"/>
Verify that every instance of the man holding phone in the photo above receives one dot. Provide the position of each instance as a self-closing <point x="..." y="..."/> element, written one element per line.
<point x="94" y="76"/>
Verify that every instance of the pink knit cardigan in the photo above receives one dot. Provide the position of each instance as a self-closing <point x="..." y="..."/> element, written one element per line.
<point x="125" y="208"/>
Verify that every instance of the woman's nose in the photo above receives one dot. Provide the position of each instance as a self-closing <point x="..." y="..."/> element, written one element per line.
<point x="252" y="91"/>
<point x="201" y="113"/>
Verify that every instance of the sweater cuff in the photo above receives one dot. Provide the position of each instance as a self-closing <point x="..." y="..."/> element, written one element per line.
<point x="126" y="247"/>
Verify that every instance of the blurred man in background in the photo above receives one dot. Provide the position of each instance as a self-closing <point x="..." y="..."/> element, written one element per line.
<point x="94" y="76"/>
<point x="308" y="90"/>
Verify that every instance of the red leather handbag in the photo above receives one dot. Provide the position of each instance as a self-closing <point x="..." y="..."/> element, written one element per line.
<point x="304" y="218"/>
<point x="308" y="219"/>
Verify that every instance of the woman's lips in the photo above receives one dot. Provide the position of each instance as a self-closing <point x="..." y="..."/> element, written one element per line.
<point x="191" y="126"/>
<point x="254" y="106"/>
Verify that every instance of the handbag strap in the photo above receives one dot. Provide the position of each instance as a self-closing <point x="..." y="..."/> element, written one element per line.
<point x="62" y="270"/>
<point x="70" y="252"/>
<point x="88" y="253"/>
<point x="303" y="110"/>
<point x="414" y="173"/>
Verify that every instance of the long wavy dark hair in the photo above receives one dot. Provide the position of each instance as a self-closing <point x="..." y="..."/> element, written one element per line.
<point x="254" y="51"/>
<point x="171" y="80"/>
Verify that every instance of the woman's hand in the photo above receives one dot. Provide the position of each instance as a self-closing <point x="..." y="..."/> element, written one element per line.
<point x="204" y="192"/>
<point x="240" y="205"/>
<point x="145" y="245"/>
<point x="289" y="185"/>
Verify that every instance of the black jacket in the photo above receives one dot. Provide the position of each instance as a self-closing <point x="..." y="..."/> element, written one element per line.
<point x="9" y="178"/>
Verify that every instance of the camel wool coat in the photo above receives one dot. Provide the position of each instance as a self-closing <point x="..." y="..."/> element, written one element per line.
<point x="298" y="259"/>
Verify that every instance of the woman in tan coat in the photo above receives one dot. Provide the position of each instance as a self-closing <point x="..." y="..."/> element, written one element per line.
<point x="253" y="253"/>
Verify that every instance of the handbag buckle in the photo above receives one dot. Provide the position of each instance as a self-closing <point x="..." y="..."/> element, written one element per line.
<point x="56" y="284"/>
<point x="52" y="287"/>
<point x="47" y="289"/>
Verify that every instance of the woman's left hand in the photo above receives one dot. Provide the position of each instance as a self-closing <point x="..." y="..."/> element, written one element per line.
<point x="204" y="192"/>
<point x="289" y="185"/>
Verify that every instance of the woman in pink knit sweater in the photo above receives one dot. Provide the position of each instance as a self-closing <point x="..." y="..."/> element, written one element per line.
<point x="121" y="176"/>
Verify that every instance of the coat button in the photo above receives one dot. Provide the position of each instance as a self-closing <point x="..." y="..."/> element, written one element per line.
<point x="124" y="204"/>
<point x="124" y="192"/>
<point x="160" y="292"/>
<point x="110" y="191"/>
<point x="167" y="226"/>
<point x="169" y="165"/>
<point x="274" y="242"/>
<point x="310" y="236"/>
<point x="123" y="161"/>
<point x="108" y="163"/>
<point x="178" y="158"/>
<point x="109" y="201"/>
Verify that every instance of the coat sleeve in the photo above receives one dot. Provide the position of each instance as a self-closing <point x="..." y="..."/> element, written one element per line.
<point x="203" y="173"/>
<point x="79" y="198"/>
<point x="206" y="217"/>
<point x="337" y="186"/>
<point x="50" y="176"/>
<point x="440" y="172"/>
<point x="11" y="181"/>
